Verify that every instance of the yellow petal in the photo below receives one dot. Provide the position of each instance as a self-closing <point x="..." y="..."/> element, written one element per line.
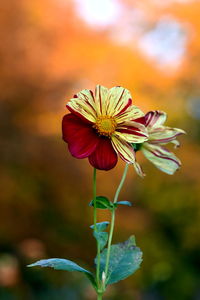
<point x="132" y="113"/>
<point x="155" y="118"/>
<point x="132" y="132"/>
<point x="138" y="169"/>
<point x="130" y="138"/>
<point x="162" y="158"/>
<point x="124" y="149"/>
<point x="117" y="100"/>
<point x="84" y="104"/>
<point x="101" y="93"/>
<point x="164" y="134"/>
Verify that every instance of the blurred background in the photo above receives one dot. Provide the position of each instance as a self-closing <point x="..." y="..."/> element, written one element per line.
<point x="50" y="50"/>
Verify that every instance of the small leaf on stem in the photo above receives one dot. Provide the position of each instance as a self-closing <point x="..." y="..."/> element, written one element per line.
<point x="102" y="203"/>
<point x="102" y="238"/>
<point x="124" y="203"/>
<point x="100" y="226"/>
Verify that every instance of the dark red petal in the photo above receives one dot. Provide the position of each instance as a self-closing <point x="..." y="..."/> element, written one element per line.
<point x="141" y="120"/>
<point x="104" y="157"/>
<point x="81" y="137"/>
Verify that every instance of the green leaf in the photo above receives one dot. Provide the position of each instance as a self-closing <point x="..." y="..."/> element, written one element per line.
<point x="102" y="203"/>
<point x="63" y="264"/>
<point x="100" y="226"/>
<point x="102" y="238"/>
<point x="125" y="259"/>
<point x="124" y="203"/>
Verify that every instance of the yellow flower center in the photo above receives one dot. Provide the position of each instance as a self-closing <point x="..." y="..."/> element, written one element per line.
<point x="105" y="125"/>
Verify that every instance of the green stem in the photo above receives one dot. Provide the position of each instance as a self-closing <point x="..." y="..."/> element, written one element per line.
<point x="95" y="226"/>
<point x="113" y="219"/>
<point x="94" y="197"/>
<point x="99" y="296"/>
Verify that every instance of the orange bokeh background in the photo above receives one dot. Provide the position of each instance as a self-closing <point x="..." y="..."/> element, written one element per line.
<point x="50" y="50"/>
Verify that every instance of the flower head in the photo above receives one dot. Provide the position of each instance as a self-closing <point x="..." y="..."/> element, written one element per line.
<point x="160" y="135"/>
<point x="103" y="126"/>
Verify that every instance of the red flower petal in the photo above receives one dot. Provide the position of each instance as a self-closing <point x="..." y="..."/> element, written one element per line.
<point x="104" y="157"/>
<point x="81" y="137"/>
<point x="141" y="120"/>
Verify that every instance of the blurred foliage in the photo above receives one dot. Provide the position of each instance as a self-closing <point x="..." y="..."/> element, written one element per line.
<point x="48" y="53"/>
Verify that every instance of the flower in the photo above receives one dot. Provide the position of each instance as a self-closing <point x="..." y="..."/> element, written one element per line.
<point x="159" y="135"/>
<point x="102" y="126"/>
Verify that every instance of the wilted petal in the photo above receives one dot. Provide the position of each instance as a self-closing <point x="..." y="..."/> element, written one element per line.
<point x="176" y="143"/>
<point x="104" y="157"/>
<point x="155" y="118"/>
<point x="124" y="149"/>
<point x="80" y="136"/>
<point x="139" y="170"/>
<point x="164" y="135"/>
<point x="162" y="158"/>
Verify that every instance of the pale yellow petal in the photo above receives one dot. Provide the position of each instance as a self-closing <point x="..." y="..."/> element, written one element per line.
<point x="88" y="97"/>
<point x="162" y="158"/>
<point x="101" y="93"/>
<point x="132" y="113"/>
<point x="117" y="99"/>
<point x="132" y="132"/>
<point x="155" y="118"/>
<point x="139" y="170"/>
<point x="130" y="138"/>
<point x="164" y="134"/>
<point x="124" y="149"/>
<point x="84" y="105"/>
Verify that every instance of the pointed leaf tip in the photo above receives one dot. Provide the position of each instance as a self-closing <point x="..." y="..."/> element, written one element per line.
<point x="65" y="265"/>
<point x="124" y="203"/>
<point x="101" y="226"/>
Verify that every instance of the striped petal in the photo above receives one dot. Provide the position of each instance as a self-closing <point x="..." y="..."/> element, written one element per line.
<point x="164" y="135"/>
<point x="155" y="118"/>
<point x="132" y="132"/>
<point x="138" y="169"/>
<point x="132" y="113"/>
<point x="104" y="157"/>
<point x="124" y="149"/>
<point x="118" y="100"/>
<point x="162" y="158"/>
<point x="83" y="105"/>
<point x="101" y="93"/>
<point x="80" y="136"/>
